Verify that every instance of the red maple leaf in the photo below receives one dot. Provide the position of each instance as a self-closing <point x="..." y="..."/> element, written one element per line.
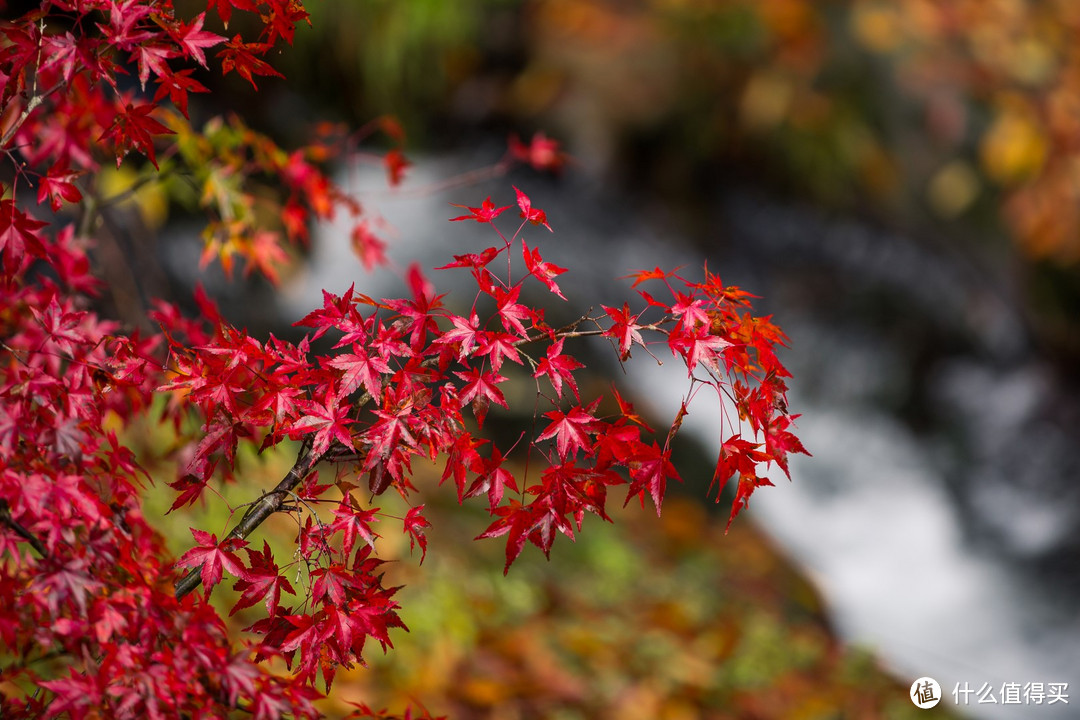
<point x="571" y="430"/>
<point x="18" y="235"/>
<point x="281" y="18"/>
<point x="329" y="421"/>
<point x="133" y="129"/>
<point x="414" y="523"/>
<point x="333" y="311"/>
<point x="190" y="486"/>
<point x="463" y="333"/>
<point x="360" y="369"/>
<point x="691" y="310"/>
<point x="698" y="346"/>
<point x="241" y="57"/>
<point x="493" y="479"/>
<point x="483" y="214"/>
<point x="745" y="488"/>
<point x="462" y="458"/>
<point x="511" y="313"/>
<point x="388" y="434"/>
<point x="626" y="409"/>
<point x="650" y="468"/>
<point x="395" y="164"/>
<point x="62" y="326"/>
<point x="480" y="390"/>
<point x="534" y="215"/>
<point x="780" y="441"/>
<point x="541" y="270"/>
<point x="625" y="328"/>
<point x="332" y="583"/>
<point x="262" y="582"/>
<point x="542" y="152"/>
<point x="417" y="315"/>
<point x="151" y="57"/>
<point x="498" y="346"/>
<point x="213" y="557"/>
<point x="472" y="260"/>
<point x="304" y="637"/>
<point x="177" y="85"/>
<point x="225" y="8"/>
<point x="58" y="186"/>
<point x="353" y="522"/>
<point x="193" y="38"/>
<point x="641" y="276"/>
<point x="559" y="368"/>
<point x="517" y="522"/>
<point x="737" y="455"/>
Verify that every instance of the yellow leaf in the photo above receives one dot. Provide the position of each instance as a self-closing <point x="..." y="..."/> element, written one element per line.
<point x="952" y="189"/>
<point x="1015" y="146"/>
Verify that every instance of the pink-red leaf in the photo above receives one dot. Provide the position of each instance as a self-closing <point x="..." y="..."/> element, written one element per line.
<point x="328" y="420"/>
<point x="360" y="369"/>
<point x="571" y="430"/>
<point x="559" y="369"/>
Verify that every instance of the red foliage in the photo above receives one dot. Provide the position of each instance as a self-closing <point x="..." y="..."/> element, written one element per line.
<point x="85" y="577"/>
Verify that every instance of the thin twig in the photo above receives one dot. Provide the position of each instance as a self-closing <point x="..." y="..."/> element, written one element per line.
<point x="135" y="187"/>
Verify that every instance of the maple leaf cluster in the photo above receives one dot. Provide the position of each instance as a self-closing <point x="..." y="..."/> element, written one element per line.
<point x="86" y="579"/>
<point x="84" y="576"/>
<point x="410" y="378"/>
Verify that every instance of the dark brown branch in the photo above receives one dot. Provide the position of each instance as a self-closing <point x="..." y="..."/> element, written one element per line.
<point x="259" y="511"/>
<point x="570" y="330"/>
<point x="6" y="519"/>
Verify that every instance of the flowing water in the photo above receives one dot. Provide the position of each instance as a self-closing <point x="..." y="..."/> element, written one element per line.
<point x="938" y="514"/>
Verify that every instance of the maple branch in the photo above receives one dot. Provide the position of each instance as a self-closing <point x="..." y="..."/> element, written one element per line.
<point x="565" y="333"/>
<point x="6" y="519"/>
<point x="259" y="511"/>
<point x="31" y="105"/>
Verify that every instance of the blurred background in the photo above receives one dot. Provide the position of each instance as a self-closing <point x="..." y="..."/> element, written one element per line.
<point x="899" y="181"/>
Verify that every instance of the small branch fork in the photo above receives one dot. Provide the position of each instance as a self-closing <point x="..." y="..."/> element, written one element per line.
<point x="259" y="511"/>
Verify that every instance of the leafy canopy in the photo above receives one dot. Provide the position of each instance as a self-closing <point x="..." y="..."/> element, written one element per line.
<point x="99" y="618"/>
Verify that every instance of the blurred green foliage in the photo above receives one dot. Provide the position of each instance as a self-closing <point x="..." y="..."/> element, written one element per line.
<point x="371" y="57"/>
<point x="647" y="618"/>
